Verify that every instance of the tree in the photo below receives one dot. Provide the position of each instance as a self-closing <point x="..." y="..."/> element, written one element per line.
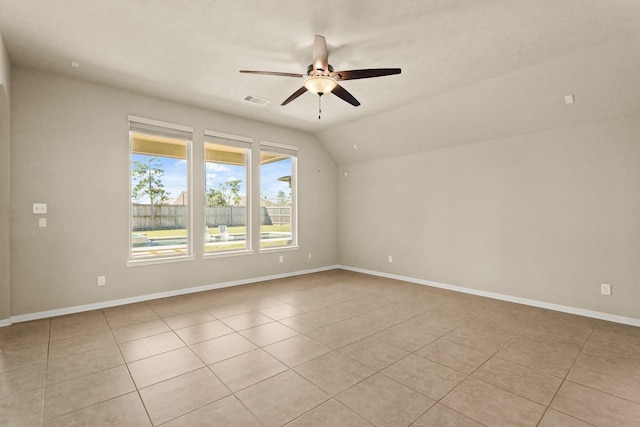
<point x="215" y="198"/>
<point x="283" y="198"/>
<point x="229" y="191"/>
<point x="147" y="176"/>
<point x="234" y="190"/>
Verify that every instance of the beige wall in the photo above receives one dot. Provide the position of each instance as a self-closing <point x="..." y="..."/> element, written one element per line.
<point x="70" y="149"/>
<point x="4" y="184"/>
<point x="547" y="216"/>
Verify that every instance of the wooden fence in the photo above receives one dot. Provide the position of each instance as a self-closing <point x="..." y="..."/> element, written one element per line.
<point x="279" y="214"/>
<point x="174" y="217"/>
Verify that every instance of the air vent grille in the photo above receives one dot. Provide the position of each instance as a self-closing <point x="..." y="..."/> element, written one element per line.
<point x="256" y="100"/>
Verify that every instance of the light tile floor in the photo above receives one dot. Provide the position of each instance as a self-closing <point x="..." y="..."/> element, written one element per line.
<point x="328" y="349"/>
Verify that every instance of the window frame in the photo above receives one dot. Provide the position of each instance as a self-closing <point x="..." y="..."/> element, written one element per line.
<point x="162" y="259"/>
<point x="238" y="142"/>
<point x="292" y="152"/>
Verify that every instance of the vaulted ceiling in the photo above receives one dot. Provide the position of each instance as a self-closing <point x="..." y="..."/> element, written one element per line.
<point x="472" y="70"/>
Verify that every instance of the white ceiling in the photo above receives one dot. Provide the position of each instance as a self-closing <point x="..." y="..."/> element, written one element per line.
<point x="472" y="70"/>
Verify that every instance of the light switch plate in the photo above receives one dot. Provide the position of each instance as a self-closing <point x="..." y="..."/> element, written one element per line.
<point x="42" y="222"/>
<point x="39" y="208"/>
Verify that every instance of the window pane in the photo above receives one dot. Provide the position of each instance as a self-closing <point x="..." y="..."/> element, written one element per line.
<point x="277" y="173"/>
<point x="159" y="195"/>
<point x="226" y="197"/>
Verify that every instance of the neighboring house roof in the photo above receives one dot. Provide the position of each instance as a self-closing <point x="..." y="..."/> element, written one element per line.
<point x="180" y="199"/>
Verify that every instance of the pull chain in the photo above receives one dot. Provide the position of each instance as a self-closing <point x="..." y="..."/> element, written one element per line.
<point x="319" y="105"/>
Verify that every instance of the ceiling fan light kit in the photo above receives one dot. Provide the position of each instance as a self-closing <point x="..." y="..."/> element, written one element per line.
<point x="321" y="78"/>
<point x="320" y="84"/>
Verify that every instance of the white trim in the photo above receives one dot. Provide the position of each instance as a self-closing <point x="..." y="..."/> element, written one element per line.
<point x="148" y="297"/>
<point x="270" y="249"/>
<point x="228" y="136"/>
<point x="292" y="152"/>
<point x="250" y="206"/>
<point x="190" y="187"/>
<point x="246" y="144"/>
<point x="159" y="260"/>
<point x="160" y="123"/>
<point x="278" y="145"/>
<point x="293" y="184"/>
<point x="224" y="254"/>
<point x="190" y="256"/>
<point x="503" y="297"/>
<point x="267" y="144"/>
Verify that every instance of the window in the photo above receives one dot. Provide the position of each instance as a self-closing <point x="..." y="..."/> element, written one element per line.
<point x="160" y="184"/>
<point x="278" y="165"/>
<point x="227" y="199"/>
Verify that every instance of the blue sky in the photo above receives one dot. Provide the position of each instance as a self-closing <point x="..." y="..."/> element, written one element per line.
<point x="269" y="174"/>
<point x="175" y="172"/>
<point x="217" y="173"/>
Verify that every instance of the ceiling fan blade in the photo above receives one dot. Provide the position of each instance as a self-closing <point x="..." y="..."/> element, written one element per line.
<point x="320" y="54"/>
<point x="364" y="74"/>
<point x="272" y="73"/>
<point x="342" y="93"/>
<point x="295" y="94"/>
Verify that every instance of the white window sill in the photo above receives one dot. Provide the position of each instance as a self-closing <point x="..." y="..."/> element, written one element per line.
<point x="280" y="249"/>
<point x="159" y="260"/>
<point x="226" y="254"/>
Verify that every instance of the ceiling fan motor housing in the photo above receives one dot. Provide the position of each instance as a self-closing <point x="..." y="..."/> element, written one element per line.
<point x="318" y="72"/>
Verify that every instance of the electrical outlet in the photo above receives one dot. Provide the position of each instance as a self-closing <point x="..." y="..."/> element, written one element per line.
<point x="605" y="289"/>
<point x="281" y="259"/>
<point x="102" y="280"/>
<point x="309" y="255"/>
<point x="390" y="258"/>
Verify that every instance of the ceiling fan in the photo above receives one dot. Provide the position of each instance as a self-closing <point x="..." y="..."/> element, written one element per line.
<point x="321" y="78"/>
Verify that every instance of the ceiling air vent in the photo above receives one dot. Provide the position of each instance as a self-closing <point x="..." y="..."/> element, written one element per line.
<point x="255" y="100"/>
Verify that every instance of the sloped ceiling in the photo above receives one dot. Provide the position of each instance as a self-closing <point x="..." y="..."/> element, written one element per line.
<point x="472" y="70"/>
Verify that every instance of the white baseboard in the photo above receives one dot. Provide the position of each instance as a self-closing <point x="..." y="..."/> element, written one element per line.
<point x="112" y="303"/>
<point x="149" y="297"/>
<point x="534" y="303"/>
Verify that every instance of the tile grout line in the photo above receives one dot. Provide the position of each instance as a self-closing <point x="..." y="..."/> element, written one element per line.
<point x="356" y="327"/>
<point x="208" y="367"/>
<point x="46" y="372"/>
<point x="371" y="335"/>
<point x="73" y="378"/>
<point x="379" y="371"/>
<point x="129" y="372"/>
<point x="438" y="401"/>
<point x="469" y="375"/>
<point x="564" y="379"/>
<point x="167" y="379"/>
<point x="295" y="372"/>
